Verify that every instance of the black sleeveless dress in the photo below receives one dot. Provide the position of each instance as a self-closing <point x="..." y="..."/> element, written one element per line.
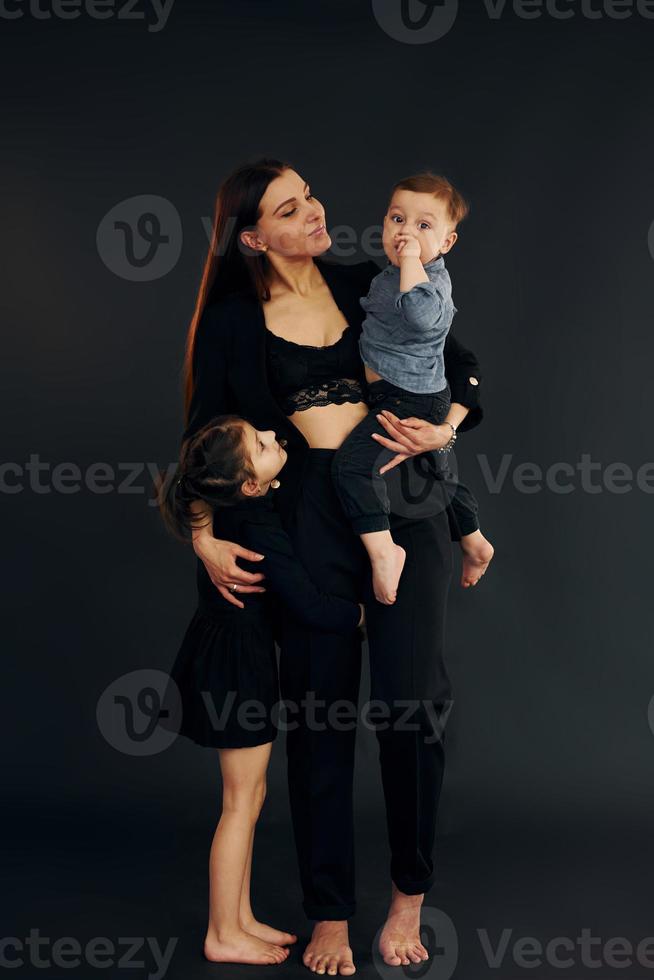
<point x="224" y="688"/>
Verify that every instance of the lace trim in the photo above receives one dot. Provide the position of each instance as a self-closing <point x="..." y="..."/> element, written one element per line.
<point x="335" y="392"/>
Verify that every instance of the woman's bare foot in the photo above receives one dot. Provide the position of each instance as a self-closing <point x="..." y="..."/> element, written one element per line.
<point x="386" y="572"/>
<point x="399" y="943"/>
<point x="241" y="947"/>
<point x="269" y="935"/>
<point x="477" y="556"/>
<point x="329" y="951"/>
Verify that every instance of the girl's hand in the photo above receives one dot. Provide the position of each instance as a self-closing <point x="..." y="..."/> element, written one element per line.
<point x="410" y="437"/>
<point x="219" y="559"/>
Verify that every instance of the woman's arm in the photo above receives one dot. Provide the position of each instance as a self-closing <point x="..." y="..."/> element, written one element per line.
<point x="219" y="558"/>
<point x="288" y="578"/>
<point x="463" y="373"/>
<point x="212" y="397"/>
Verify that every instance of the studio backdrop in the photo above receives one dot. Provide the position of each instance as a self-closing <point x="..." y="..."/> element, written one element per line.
<point x="120" y="121"/>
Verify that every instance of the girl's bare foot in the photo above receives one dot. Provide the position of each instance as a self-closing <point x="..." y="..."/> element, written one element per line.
<point x="386" y="571"/>
<point x="399" y="943"/>
<point x="329" y="951"/>
<point x="269" y="935"/>
<point x="241" y="947"/>
<point x="477" y="556"/>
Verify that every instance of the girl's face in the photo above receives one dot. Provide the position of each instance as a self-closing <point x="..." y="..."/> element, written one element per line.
<point x="292" y="222"/>
<point x="267" y="457"/>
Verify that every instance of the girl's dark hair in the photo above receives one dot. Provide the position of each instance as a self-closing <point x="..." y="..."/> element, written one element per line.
<point x="230" y="267"/>
<point x="212" y="467"/>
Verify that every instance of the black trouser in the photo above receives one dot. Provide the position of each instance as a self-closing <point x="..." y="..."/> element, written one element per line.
<point x="363" y="492"/>
<point x="407" y="674"/>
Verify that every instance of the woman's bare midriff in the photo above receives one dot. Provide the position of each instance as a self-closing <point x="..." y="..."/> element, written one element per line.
<point x="327" y="426"/>
<point x="315" y="320"/>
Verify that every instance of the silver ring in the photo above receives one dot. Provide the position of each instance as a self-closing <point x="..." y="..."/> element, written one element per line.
<point x="233" y="587"/>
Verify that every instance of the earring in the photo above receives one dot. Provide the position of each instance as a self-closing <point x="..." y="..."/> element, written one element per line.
<point x="275" y="484"/>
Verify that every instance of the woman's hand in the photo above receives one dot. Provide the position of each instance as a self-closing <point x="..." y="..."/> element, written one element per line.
<point x="410" y="437"/>
<point x="219" y="559"/>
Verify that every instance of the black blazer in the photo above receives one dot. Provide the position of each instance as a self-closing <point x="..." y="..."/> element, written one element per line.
<point x="230" y="376"/>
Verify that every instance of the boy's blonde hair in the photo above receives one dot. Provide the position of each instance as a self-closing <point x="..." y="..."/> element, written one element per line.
<point x="440" y="187"/>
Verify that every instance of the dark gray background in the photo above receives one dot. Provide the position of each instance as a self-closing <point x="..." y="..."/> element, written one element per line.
<point x="546" y="126"/>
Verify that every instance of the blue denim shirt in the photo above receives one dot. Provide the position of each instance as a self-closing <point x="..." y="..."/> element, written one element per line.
<point x="403" y="334"/>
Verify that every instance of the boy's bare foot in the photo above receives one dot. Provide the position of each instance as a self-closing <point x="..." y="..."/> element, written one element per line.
<point x="477" y="556"/>
<point x="329" y="951"/>
<point x="399" y="943"/>
<point x="269" y="935"/>
<point x="241" y="947"/>
<point x="386" y="572"/>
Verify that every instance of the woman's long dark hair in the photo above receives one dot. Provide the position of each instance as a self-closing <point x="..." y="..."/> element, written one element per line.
<point x="212" y="467"/>
<point x="229" y="268"/>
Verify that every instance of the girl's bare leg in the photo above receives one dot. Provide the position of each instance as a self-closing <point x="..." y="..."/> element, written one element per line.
<point x="244" y="790"/>
<point x="248" y="921"/>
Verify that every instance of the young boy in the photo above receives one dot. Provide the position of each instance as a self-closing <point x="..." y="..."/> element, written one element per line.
<point x="409" y="311"/>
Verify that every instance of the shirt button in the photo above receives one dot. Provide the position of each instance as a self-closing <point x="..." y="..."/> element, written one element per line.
<point x="473" y="381"/>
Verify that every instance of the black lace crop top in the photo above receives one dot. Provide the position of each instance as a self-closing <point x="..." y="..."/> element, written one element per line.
<point x="302" y="376"/>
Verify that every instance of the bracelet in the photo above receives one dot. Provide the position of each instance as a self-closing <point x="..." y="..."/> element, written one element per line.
<point x="450" y="443"/>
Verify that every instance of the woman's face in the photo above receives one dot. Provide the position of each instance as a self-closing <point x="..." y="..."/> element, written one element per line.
<point x="292" y="221"/>
<point x="266" y="455"/>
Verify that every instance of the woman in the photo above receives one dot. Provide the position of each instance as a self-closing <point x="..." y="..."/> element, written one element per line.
<point x="274" y="339"/>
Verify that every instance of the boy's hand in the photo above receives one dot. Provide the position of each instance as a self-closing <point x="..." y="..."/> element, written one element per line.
<point x="407" y="246"/>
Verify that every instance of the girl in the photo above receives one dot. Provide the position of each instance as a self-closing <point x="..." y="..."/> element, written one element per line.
<point x="226" y="669"/>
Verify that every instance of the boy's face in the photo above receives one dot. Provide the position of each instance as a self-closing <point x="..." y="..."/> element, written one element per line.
<point x="423" y="216"/>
